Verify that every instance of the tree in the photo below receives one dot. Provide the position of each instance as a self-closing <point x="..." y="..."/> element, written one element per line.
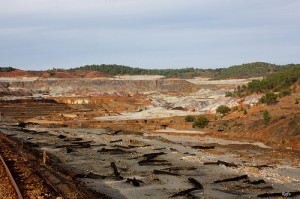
<point x="223" y="109"/>
<point x="269" y="98"/>
<point x="267" y="116"/>
<point x="245" y="112"/>
<point x="201" y="122"/>
<point x="189" y="118"/>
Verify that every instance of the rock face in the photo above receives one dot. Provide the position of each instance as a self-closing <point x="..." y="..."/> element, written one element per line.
<point x="86" y="87"/>
<point x="191" y="104"/>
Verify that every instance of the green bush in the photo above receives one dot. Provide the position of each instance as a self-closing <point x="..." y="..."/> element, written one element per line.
<point x="223" y="109"/>
<point x="297" y="101"/>
<point x="201" y="122"/>
<point x="228" y="94"/>
<point x="267" y="116"/>
<point x="285" y="92"/>
<point x="235" y="108"/>
<point x="245" y="112"/>
<point x="269" y="98"/>
<point x="189" y="118"/>
<point x="51" y="73"/>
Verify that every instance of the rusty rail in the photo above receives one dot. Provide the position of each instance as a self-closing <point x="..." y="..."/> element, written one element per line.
<point x="48" y="182"/>
<point x="12" y="180"/>
<point x="39" y="171"/>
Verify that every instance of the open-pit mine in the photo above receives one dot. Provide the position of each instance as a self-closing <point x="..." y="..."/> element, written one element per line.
<point x="127" y="137"/>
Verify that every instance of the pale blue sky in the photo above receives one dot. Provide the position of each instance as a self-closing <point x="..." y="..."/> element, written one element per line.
<point x="41" y="34"/>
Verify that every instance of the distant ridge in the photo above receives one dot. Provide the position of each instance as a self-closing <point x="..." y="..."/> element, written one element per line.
<point x="248" y="70"/>
<point x="10" y="72"/>
<point x="255" y="69"/>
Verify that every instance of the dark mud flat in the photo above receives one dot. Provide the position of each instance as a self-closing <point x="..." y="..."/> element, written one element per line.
<point x="106" y="163"/>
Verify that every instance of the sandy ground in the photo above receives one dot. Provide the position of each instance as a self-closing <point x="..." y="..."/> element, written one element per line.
<point x="205" y="81"/>
<point x="179" y="156"/>
<point x="207" y="139"/>
<point x="137" y="77"/>
<point x="157" y="112"/>
<point x="15" y="79"/>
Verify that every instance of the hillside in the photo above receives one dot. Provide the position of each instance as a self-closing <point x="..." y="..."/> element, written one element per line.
<point x="281" y="101"/>
<point x="256" y="69"/>
<point x="12" y="72"/>
<point x="283" y="129"/>
<point x="126" y="70"/>
<point x="276" y="82"/>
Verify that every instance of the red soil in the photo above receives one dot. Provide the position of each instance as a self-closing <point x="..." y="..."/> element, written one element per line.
<point x="53" y="74"/>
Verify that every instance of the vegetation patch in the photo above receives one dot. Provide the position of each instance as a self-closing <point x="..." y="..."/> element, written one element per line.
<point x="189" y="118"/>
<point x="7" y="69"/>
<point x="279" y="82"/>
<point x="223" y="109"/>
<point x="200" y="122"/>
<point x="266" y="116"/>
<point x="269" y="98"/>
<point x="256" y="69"/>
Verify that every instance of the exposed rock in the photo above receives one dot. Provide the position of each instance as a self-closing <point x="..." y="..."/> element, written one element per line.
<point x="82" y="86"/>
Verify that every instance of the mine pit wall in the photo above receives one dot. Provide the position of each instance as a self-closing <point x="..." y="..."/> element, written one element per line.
<point x="85" y="86"/>
<point x="83" y="100"/>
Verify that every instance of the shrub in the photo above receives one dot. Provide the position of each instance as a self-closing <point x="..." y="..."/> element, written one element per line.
<point x="51" y="73"/>
<point x="223" y="109"/>
<point x="285" y="92"/>
<point x="269" y="98"/>
<point x="235" y="108"/>
<point x="245" y="112"/>
<point x="201" y="122"/>
<point x="228" y="94"/>
<point x="297" y="101"/>
<point x="189" y="118"/>
<point x="266" y="116"/>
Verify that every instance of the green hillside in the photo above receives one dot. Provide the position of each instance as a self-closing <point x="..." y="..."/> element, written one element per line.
<point x="256" y="69"/>
<point x="126" y="70"/>
<point x="6" y="69"/>
<point x="278" y="82"/>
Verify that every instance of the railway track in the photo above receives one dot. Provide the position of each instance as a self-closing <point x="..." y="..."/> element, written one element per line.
<point x="11" y="179"/>
<point x="23" y="175"/>
<point x="21" y="170"/>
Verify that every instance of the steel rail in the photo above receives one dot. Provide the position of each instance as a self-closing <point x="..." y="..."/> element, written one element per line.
<point x="11" y="178"/>
<point x="46" y="180"/>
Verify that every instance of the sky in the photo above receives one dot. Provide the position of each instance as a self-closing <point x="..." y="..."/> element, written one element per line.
<point x="45" y="34"/>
